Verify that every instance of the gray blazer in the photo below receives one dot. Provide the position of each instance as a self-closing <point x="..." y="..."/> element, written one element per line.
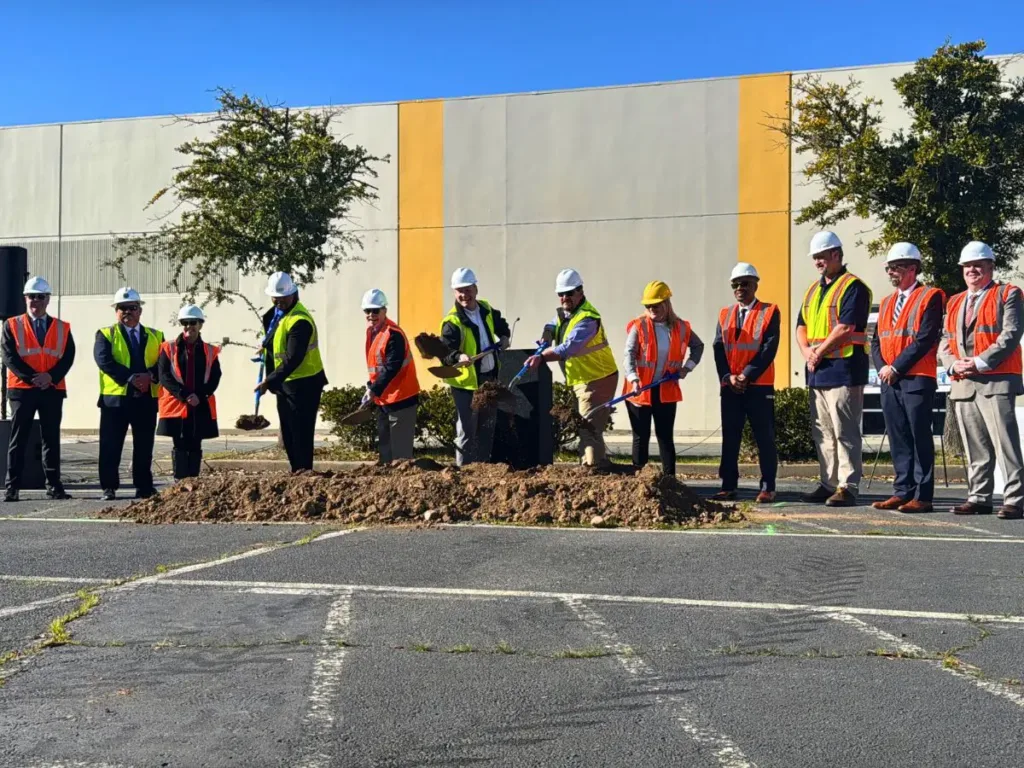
<point x="1009" y="339"/>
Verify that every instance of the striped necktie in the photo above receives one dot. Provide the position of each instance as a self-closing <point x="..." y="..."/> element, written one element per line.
<point x="899" y="306"/>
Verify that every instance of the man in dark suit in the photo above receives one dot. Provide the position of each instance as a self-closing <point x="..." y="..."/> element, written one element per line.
<point x="127" y="354"/>
<point x="38" y="351"/>
<point x="904" y="351"/>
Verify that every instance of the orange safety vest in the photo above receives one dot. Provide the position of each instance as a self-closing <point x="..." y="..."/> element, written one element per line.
<point x="171" y="407"/>
<point x="896" y="337"/>
<point x="740" y="351"/>
<point x="988" y="324"/>
<point x="39" y="359"/>
<point x="405" y="384"/>
<point x="647" y="359"/>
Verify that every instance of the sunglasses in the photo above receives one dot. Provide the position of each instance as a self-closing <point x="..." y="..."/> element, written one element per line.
<point x="563" y="294"/>
<point x="189" y="323"/>
<point x="897" y="267"/>
<point x="743" y="284"/>
<point x="371" y="311"/>
<point x="36" y="296"/>
<point x="128" y="307"/>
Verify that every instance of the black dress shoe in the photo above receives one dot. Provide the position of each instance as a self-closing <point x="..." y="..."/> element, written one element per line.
<point x="58" y="494"/>
<point x="972" y="508"/>
<point x="109" y="495"/>
<point x="11" y="496"/>
<point x="817" y="496"/>
<point x="1010" y="513"/>
<point x="145" y="493"/>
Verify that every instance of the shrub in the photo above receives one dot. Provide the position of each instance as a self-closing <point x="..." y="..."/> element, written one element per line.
<point x="792" y="427"/>
<point x="340" y="401"/>
<point x="435" y="420"/>
<point x="563" y="431"/>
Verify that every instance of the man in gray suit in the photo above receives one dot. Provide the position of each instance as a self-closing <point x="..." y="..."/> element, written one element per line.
<point x="981" y="350"/>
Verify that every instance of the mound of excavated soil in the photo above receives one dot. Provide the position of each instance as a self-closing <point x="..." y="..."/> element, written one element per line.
<point x="424" y="491"/>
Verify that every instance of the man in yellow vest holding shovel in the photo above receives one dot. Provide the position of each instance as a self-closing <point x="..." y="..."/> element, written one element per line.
<point x="831" y="332"/>
<point x="580" y="346"/>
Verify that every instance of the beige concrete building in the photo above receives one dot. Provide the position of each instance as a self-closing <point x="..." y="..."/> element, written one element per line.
<point x="671" y="181"/>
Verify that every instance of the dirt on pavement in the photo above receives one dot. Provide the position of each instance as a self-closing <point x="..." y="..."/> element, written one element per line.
<point x="252" y="421"/>
<point x="423" y="491"/>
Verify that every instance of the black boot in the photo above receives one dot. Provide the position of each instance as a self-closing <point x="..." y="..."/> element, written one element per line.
<point x="195" y="463"/>
<point x="180" y="463"/>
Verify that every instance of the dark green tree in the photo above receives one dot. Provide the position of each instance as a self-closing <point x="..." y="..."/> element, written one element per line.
<point x="956" y="174"/>
<point x="271" y="190"/>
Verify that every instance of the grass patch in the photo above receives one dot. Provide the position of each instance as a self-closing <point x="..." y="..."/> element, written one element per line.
<point x="463" y="648"/>
<point x="422" y="647"/>
<point x="504" y="647"/>
<point x="592" y="652"/>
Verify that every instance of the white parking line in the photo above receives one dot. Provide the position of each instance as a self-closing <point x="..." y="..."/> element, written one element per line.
<point x="314" y="588"/>
<point x="989" y="686"/>
<point x="958" y="525"/>
<point x="725" y="750"/>
<point x="13" y="610"/>
<point x="56" y="579"/>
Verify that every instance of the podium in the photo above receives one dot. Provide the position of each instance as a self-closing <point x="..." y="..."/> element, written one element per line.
<point x="525" y="438"/>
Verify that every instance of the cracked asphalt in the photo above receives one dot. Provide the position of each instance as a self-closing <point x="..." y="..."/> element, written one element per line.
<point x="811" y="637"/>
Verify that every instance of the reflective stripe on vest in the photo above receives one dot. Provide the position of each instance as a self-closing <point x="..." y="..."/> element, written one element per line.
<point x="988" y="325"/>
<point x="647" y="359"/>
<point x="821" y="317"/>
<point x="894" y="337"/>
<point x="39" y="358"/>
<point x="741" y="351"/>
<point x="123" y="355"/>
<point x="311" y="364"/>
<point x="597" y="362"/>
<point x="467" y="345"/>
<point x="171" y="407"/>
<point x="405" y="384"/>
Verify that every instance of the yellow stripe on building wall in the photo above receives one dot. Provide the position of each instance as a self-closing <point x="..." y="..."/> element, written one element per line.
<point x="764" y="199"/>
<point x="421" y="222"/>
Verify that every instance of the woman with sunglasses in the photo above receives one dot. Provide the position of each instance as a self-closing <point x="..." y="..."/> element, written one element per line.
<point x="656" y="343"/>
<point x="189" y="374"/>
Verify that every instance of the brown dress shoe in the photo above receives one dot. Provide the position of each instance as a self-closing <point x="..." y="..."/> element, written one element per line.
<point x="841" y="498"/>
<point x="972" y="508"/>
<point x="817" y="496"/>
<point x="914" y="506"/>
<point x="1007" y="512"/>
<point x="765" y="497"/>
<point x="893" y="502"/>
<point x="724" y="496"/>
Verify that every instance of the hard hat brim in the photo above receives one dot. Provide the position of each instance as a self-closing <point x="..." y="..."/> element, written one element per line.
<point x="374" y="306"/>
<point x="456" y="286"/>
<point x="117" y="304"/>
<point x="652" y="302"/>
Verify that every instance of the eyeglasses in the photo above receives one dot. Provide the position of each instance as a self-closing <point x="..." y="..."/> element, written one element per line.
<point x="897" y="267"/>
<point x="189" y="323"/>
<point x="563" y="294"/>
<point x="37" y="296"/>
<point x="652" y="307"/>
<point x="742" y="284"/>
<point x="371" y="311"/>
<point x="128" y="307"/>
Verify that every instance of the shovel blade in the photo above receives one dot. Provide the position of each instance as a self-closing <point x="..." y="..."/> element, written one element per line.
<point x="356" y="418"/>
<point x="444" y="371"/>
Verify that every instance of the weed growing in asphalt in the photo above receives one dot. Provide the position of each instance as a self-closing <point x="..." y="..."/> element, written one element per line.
<point x="504" y="647"/>
<point x="422" y="647"/>
<point x="463" y="648"/>
<point x="591" y="652"/>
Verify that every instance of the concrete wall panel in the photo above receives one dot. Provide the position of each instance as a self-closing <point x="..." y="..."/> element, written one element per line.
<point x="30" y="174"/>
<point x="376" y="129"/>
<point x="482" y="249"/>
<point x="474" y="162"/>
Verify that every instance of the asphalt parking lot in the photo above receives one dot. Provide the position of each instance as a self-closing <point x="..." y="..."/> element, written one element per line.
<point x="813" y="637"/>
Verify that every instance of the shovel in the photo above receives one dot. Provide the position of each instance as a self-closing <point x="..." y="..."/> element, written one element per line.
<point x="255" y="421"/>
<point x="360" y="416"/>
<point x="523" y="371"/>
<point x="451" y="371"/>
<point x="621" y="398"/>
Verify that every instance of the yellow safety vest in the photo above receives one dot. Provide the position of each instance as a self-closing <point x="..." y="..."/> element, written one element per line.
<point x="311" y="364"/>
<point x="123" y="355"/>
<point x="598" y="361"/>
<point x="467" y="377"/>
<point x="822" y="316"/>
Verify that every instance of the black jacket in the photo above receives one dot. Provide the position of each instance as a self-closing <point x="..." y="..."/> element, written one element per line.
<point x="199" y="422"/>
<point x="21" y="369"/>
<point x="927" y="338"/>
<point x="296" y="344"/>
<point x="451" y="334"/>
<point x="762" y="359"/>
<point x="104" y="357"/>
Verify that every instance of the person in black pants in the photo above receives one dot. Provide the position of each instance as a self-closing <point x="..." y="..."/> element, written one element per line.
<point x="38" y="351"/>
<point x="746" y="342"/>
<point x="189" y="374"/>
<point x="126" y="354"/>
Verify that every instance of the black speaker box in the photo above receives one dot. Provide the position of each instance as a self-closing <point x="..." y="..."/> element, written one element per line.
<point x="524" y="439"/>
<point x="13" y="274"/>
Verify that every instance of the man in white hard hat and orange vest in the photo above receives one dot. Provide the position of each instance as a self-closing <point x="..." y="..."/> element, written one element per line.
<point x="472" y="326"/>
<point x="981" y="350"/>
<point x="832" y="336"/>
<point x="38" y="351"/>
<point x="294" y="368"/>
<point x="746" y="342"/>
<point x="126" y="354"/>
<point x="588" y="364"/>
<point x="393" y="386"/>
<point x="904" y="350"/>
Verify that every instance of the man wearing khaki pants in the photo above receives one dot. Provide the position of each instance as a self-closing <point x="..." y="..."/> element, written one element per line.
<point x="832" y="335"/>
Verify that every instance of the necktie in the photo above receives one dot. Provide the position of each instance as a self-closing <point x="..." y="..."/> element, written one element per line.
<point x="969" y="316"/>
<point x="739" y="322"/>
<point x="899" y="307"/>
<point x="40" y="324"/>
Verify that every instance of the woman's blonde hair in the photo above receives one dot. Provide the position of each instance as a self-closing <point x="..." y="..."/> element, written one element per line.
<point x="671" y="317"/>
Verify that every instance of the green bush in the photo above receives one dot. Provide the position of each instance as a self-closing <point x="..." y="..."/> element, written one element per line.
<point x="435" y="418"/>
<point x="792" y="427"/>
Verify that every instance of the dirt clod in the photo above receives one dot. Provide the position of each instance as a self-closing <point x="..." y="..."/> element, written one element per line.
<point x="567" y="414"/>
<point x="431" y="346"/>
<point x="492" y="394"/>
<point x="251" y="421"/>
<point x="423" y="491"/>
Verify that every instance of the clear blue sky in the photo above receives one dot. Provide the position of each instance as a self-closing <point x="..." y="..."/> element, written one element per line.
<point x="88" y="59"/>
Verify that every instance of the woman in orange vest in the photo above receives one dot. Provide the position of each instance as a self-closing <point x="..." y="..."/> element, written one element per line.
<point x="393" y="385"/>
<point x="189" y="374"/>
<point x="656" y="344"/>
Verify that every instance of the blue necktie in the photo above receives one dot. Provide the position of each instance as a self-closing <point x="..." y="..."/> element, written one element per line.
<point x="40" y="324"/>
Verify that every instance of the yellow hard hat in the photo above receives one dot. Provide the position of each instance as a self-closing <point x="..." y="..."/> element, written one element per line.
<point x="655" y="292"/>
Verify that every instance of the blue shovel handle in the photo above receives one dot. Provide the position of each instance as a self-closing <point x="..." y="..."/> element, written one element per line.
<point x="522" y="371"/>
<point x="620" y="398"/>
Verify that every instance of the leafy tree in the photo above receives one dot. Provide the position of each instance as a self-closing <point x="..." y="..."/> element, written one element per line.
<point x="955" y="175"/>
<point x="271" y="190"/>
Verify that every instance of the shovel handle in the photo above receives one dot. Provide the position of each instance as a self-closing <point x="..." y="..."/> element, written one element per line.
<point x="620" y="398"/>
<point x="522" y="371"/>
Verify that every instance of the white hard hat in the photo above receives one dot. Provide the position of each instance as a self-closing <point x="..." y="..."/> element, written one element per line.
<point x="279" y="285"/>
<point x="127" y="295"/>
<point x="36" y="285"/>
<point x="463" y="277"/>
<point x="824" y="241"/>
<point x="976" y="251"/>
<point x="191" y="312"/>
<point x="903" y="252"/>
<point x="374" y="299"/>
<point x="742" y="269"/>
<point x="568" y="280"/>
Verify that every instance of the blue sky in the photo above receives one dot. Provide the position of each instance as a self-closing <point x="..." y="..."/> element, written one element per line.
<point x="87" y="59"/>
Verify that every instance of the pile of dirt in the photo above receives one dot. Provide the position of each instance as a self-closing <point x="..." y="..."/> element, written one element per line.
<point x="423" y="491"/>
<point x="568" y="415"/>
<point x="251" y="421"/>
<point x="431" y="346"/>
<point x="492" y="394"/>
